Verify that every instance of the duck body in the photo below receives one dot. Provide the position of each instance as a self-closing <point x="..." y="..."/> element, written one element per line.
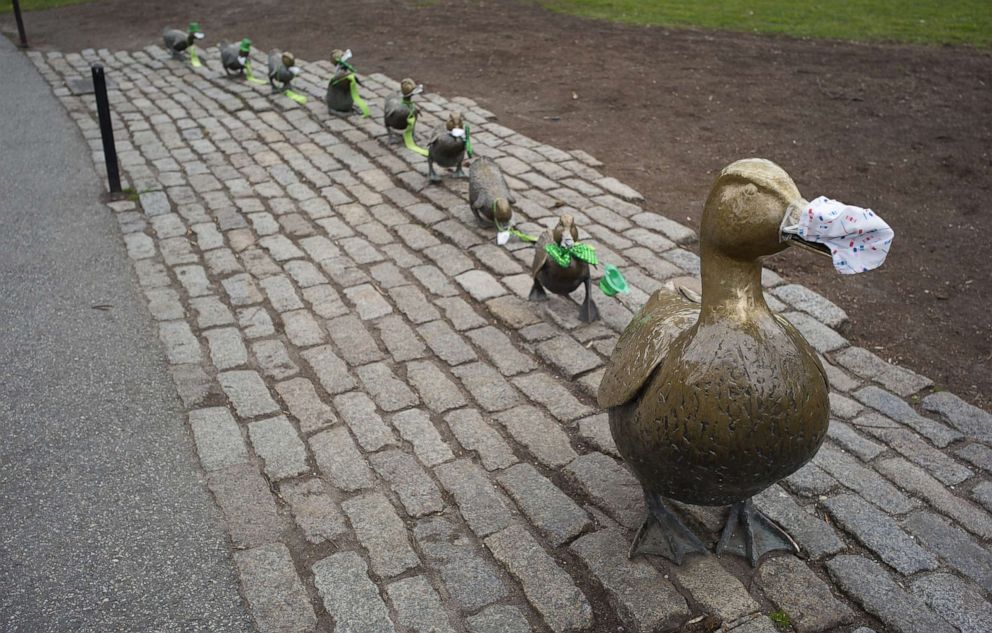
<point x="177" y="41"/>
<point x="396" y="111"/>
<point x="488" y="194"/>
<point x="447" y="147"/>
<point x="711" y="402"/>
<point x="280" y="65"/>
<point x="232" y="58"/>
<point x="338" y="95"/>
<point x="561" y="280"/>
<point x="712" y="413"/>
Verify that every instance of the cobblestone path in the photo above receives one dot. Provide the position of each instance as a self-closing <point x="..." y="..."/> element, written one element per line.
<point x="399" y="441"/>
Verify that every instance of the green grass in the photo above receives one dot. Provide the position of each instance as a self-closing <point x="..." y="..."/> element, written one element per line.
<point x="780" y="618"/>
<point x="7" y="6"/>
<point x="914" y="21"/>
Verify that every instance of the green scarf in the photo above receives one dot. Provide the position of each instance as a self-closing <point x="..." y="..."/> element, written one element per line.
<point x="563" y="256"/>
<point x="468" y="142"/>
<point x="194" y="59"/>
<point x="251" y="76"/>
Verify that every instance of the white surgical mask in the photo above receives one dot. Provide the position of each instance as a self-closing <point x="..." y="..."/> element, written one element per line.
<point x="858" y="239"/>
<point x="458" y="132"/>
<point x="295" y="70"/>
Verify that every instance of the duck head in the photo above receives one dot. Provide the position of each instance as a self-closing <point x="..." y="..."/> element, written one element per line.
<point x="565" y="232"/>
<point x="408" y="88"/>
<point x="194" y="32"/>
<point x="454" y="121"/>
<point x="289" y="62"/>
<point x="502" y="212"/>
<point x="244" y="50"/>
<point x="340" y="58"/>
<point x="741" y="224"/>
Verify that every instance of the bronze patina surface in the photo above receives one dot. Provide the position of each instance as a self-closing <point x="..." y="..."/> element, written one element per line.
<point x="488" y="194"/>
<point x="561" y="280"/>
<point x="398" y="108"/>
<point x="338" y="96"/>
<point x="445" y="149"/>
<point x="711" y="403"/>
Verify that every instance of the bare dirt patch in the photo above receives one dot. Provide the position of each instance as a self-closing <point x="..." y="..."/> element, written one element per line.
<point x="905" y="130"/>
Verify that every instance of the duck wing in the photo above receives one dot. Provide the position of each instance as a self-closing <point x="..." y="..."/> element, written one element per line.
<point x="644" y="345"/>
<point x="541" y="255"/>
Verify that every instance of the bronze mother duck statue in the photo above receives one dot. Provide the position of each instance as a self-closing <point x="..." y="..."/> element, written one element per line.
<point x="711" y="403"/>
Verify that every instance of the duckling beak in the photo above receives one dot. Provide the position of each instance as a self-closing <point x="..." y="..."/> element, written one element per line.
<point x="198" y="35"/>
<point x="417" y="90"/>
<point x="567" y="241"/>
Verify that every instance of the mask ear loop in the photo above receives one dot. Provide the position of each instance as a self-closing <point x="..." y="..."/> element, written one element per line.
<point x="790" y="223"/>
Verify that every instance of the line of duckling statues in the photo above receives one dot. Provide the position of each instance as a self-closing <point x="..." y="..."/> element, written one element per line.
<point x="712" y="398"/>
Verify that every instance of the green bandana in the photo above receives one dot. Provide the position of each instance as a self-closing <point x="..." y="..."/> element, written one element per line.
<point x="249" y="75"/>
<point x="408" y="140"/>
<point x="511" y="230"/>
<point x="563" y="256"/>
<point x="194" y="59"/>
<point x="295" y="96"/>
<point x="357" y="98"/>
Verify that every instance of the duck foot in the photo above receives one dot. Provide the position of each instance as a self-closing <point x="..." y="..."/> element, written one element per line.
<point x="750" y="534"/>
<point x="588" y="312"/>
<point x="537" y="292"/>
<point x="663" y="534"/>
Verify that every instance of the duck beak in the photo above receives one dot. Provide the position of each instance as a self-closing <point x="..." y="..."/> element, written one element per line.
<point x="787" y="231"/>
<point x="417" y="90"/>
<point x="567" y="241"/>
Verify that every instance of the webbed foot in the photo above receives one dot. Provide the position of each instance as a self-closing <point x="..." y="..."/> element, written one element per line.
<point x="663" y="534"/>
<point x="537" y="292"/>
<point x="751" y="534"/>
<point x="588" y="312"/>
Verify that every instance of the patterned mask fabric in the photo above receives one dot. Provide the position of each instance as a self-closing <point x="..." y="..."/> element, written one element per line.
<point x="858" y="239"/>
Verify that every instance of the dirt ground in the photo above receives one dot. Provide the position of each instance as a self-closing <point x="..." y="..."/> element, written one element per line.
<point x="905" y="130"/>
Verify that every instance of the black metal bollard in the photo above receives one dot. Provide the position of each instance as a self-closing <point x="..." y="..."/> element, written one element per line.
<point x="20" y="24"/>
<point x="106" y="128"/>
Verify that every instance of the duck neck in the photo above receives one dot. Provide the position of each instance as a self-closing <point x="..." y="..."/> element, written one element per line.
<point x="731" y="288"/>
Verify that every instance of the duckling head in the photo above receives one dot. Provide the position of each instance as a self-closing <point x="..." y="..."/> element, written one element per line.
<point x="408" y="88"/>
<point x="743" y="216"/>
<point x="502" y="212"/>
<point x="455" y="121"/>
<point x="289" y="61"/>
<point x="194" y="32"/>
<point x="565" y="233"/>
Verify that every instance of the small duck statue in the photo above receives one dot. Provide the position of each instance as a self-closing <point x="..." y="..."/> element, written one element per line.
<point x="712" y="402"/>
<point x="234" y="57"/>
<point x="488" y="194"/>
<point x="448" y="147"/>
<point x="177" y="42"/>
<point x="282" y="68"/>
<point x="561" y="264"/>
<point x="398" y="108"/>
<point x="342" y="89"/>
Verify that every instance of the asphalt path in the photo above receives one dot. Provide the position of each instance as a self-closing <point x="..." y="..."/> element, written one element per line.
<point x="105" y="522"/>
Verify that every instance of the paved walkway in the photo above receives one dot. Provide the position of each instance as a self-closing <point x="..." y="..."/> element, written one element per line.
<point x="399" y="441"/>
<point x="105" y="524"/>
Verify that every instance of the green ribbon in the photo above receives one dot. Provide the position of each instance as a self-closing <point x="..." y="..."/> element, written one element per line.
<point x="563" y="256"/>
<point x="295" y="96"/>
<point x="408" y="140"/>
<point x="468" y="142"/>
<point x="512" y="231"/>
<point x="251" y="76"/>
<point x="194" y="59"/>
<point x="357" y="98"/>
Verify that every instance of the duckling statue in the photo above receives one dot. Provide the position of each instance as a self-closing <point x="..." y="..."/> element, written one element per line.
<point x="561" y="264"/>
<point x="234" y="57"/>
<point x="176" y="42"/>
<point x="488" y="194"/>
<point x="448" y="147"/>
<point x="282" y="68"/>
<point x="711" y="403"/>
<point x="398" y="108"/>
<point x="341" y="89"/>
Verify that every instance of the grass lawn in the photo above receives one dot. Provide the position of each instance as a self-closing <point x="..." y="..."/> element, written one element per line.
<point x="916" y="21"/>
<point x="6" y="6"/>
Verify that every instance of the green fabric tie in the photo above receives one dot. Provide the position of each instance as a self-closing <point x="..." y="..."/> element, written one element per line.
<point x="563" y="256"/>
<point x="357" y="98"/>
<point x="295" y="96"/>
<point x="194" y="59"/>
<point x="249" y="75"/>
<point x="408" y="140"/>
<point x="511" y="230"/>
<point x="468" y="142"/>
